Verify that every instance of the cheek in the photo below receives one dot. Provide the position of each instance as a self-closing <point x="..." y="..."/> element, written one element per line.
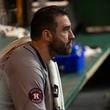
<point x="64" y="37"/>
<point x="58" y="42"/>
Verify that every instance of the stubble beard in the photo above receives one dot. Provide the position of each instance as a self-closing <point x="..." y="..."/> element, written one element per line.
<point x="60" y="48"/>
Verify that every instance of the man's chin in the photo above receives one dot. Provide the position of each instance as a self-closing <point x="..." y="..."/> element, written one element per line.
<point x="67" y="52"/>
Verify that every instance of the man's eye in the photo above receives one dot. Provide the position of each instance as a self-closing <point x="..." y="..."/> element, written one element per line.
<point x="66" y="30"/>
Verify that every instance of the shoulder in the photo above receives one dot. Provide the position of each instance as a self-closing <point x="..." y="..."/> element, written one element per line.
<point x="25" y="59"/>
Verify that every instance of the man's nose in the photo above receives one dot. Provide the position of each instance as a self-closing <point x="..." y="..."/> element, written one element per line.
<point x="72" y="36"/>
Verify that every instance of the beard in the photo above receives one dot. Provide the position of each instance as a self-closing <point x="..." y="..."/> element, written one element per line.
<point x="60" y="48"/>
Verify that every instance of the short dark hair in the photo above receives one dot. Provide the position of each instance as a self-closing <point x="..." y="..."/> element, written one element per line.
<point x="45" y="18"/>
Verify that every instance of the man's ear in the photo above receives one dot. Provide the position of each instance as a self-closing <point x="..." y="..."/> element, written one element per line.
<point x="47" y="35"/>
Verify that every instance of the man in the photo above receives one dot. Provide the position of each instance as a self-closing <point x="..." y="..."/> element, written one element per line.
<point x="25" y="67"/>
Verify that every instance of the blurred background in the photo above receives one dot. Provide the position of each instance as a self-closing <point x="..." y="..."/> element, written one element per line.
<point x="84" y="13"/>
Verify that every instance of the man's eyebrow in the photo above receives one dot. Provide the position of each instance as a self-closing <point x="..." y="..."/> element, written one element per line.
<point x="66" y="27"/>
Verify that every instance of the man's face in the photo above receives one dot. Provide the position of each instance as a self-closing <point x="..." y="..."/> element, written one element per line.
<point x="63" y="37"/>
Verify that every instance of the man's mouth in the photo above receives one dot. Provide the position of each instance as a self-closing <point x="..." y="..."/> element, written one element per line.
<point x="69" y="44"/>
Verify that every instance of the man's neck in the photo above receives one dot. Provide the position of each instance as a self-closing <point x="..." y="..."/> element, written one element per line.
<point x="43" y="50"/>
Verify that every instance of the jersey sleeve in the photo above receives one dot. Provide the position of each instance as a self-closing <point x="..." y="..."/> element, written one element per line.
<point x="26" y="82"/>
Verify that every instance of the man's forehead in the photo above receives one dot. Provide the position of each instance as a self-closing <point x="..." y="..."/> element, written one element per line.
<point x="63" y="20"/>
